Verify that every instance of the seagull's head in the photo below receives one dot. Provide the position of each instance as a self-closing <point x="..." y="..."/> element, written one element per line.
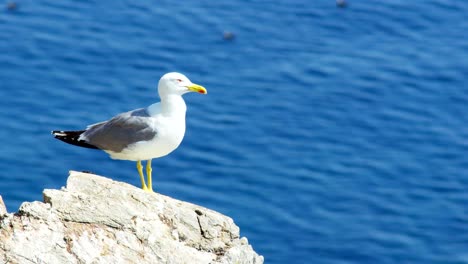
<point x="177" y="83"/>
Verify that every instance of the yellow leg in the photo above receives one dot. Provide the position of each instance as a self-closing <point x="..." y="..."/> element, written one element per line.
<point x="140" y="171"/>
<point x="148" y="175"/>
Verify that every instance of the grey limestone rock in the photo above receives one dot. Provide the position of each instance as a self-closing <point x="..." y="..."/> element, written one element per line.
<point x="97" y="220"/>
<point x="3" y="209"/>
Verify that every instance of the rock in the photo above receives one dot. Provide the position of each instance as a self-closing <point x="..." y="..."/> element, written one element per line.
<point x="3" y="209"/>
<point x="228" y="35"/>
<point x="341" y="3"/>
<point x="11" y="6"/>
<point x="97" y="220"/>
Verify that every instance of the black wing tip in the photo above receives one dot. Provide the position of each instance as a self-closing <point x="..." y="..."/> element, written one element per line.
<point x="72" y="137"/>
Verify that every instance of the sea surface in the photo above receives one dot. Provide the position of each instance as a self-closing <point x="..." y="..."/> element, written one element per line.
<point x="329" y="135"/>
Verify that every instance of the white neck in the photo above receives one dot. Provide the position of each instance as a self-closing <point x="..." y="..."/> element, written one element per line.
<point x="173" y="104"/>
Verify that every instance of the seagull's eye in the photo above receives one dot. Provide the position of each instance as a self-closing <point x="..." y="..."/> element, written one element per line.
<point x="179" y="80"/>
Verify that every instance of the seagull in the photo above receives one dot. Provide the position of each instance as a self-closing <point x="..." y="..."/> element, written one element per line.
<point x="141" y="134"/>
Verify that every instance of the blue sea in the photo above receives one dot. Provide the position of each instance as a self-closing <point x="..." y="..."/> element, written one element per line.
<point x="329" y="134"/>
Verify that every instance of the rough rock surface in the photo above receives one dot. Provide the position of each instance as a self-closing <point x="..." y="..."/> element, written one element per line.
<point x="3" y="209"/>
<point x="97" y="220"/>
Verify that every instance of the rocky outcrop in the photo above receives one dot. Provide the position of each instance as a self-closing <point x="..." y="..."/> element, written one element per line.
<point x="97" y="220"/>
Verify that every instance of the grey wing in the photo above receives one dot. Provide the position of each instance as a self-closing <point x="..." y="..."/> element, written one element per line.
<point x="121" y="131"/>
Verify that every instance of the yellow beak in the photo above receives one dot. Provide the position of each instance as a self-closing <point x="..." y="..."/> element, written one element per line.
<point x="197" y="88"/>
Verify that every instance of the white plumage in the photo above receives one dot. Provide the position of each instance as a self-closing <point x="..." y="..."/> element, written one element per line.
<point x="141" y="134"/>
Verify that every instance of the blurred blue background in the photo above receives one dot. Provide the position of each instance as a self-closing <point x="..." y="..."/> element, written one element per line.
<point x="329" y="135"/>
